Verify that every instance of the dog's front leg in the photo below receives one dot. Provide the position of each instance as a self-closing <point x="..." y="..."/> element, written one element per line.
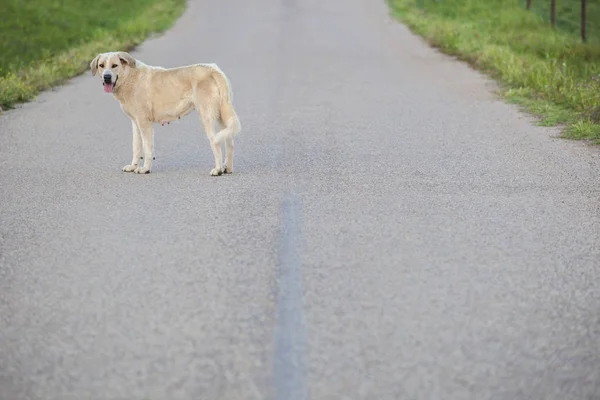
<point x="137" y="148"/>
<point x="147" y="133"/>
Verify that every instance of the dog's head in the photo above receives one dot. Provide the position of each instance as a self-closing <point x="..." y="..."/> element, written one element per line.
<point x="112" y="67"/>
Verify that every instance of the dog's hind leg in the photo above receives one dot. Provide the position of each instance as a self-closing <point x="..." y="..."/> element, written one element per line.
<point x="228" y="155"/>
<point x="208" y="123"/>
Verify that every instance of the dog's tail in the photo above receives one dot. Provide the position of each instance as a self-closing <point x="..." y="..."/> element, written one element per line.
<point x="229" y="119"/>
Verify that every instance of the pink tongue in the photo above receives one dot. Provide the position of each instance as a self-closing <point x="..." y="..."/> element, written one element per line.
<point x="108" y="87"/>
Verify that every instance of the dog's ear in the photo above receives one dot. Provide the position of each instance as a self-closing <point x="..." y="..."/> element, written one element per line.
<point x="126" y="59"/>
<point x="94" y="65"/>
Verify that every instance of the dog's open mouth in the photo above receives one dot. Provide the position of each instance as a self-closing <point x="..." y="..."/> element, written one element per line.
<point x="109" y="86"/>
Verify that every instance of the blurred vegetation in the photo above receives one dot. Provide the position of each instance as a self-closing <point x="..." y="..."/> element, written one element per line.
<point x="548" y="71"/>
<point x="43" y="42"/>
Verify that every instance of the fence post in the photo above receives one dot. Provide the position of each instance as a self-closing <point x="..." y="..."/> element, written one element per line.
<point x="529" y="4"/>
<point x="583" y="20"/>
<point x="553" y="12"/>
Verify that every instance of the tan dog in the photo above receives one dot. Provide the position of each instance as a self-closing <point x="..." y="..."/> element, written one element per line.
<point x="149" y="94"/>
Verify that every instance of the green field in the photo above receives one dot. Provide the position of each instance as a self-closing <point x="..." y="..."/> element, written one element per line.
<point x="43" y="42"/>
<point x="547" y="71"/>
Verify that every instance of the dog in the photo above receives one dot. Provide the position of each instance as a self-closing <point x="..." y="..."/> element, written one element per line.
<point x="151" y="94"/>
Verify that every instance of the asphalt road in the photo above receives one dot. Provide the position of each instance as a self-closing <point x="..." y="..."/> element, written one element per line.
<point x="392" y="230"/>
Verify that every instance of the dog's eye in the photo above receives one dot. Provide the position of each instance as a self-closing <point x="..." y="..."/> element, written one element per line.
<point x="101" y="65"/>
<point x="114" y="65"/>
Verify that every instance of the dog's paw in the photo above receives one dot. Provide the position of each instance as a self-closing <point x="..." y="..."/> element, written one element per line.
<point x="141" y="170"/>
<point x="216" y="172"/>
<point x="227" y="170"/>
<point x="129" y="168"/>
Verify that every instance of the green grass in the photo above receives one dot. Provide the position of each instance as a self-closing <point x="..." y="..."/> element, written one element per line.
<point x="44" y="42"/>
<point x="547" y="71"/>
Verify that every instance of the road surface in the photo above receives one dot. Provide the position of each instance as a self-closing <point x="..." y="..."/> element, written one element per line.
<point x="392" y="230"/>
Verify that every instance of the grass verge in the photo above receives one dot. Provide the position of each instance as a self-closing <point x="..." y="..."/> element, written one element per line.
<point x="44" y="43"/>
<point x="549" y="72"/>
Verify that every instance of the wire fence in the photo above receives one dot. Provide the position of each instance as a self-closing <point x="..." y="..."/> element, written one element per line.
<point x="580" y="18"/>
<point x="572" y="16"/>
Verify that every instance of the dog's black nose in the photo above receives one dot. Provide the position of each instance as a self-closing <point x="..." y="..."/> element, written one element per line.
<point x="107" y="78"/>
